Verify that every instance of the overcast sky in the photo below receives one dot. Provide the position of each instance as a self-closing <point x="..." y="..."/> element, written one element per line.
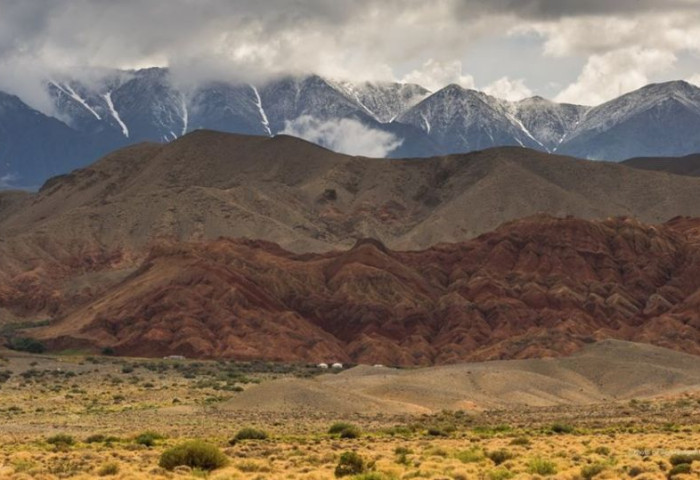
<point x="580" y="51"/>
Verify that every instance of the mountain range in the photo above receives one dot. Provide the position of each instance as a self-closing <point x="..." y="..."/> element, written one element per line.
<point x="226" y="245"/>
<point x="90" y="118"/>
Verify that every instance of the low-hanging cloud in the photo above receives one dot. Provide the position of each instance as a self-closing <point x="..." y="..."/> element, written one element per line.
<point x="432" y="43"/>
<point x="344" y="135"/>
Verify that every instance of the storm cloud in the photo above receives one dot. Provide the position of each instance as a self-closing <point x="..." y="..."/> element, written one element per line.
<point x="468" y="42"/>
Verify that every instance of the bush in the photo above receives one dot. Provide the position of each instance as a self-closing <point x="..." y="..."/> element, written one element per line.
<point x="499" y="456"/>
<point x="61" y="440"/>
<point x="193" y="454"/>
<point x="350" y="464"/>
<point x="590" y="471"/>
<point x="95" y="438"/>
<point x="148" y="439"/>
<point x="561" y="428"/>
<point x="500" y="474"/>
<point x="521" y="441"/>
<point x="680" y="468"/>
<point x="26" y="344"/>
<point x="248" y="434"/>
<point x="338" y="427"/>
<point x="684" y="458"/>
<point x="541" y="466"/>
<point x="470" y="456"/>
<point x="111" y="468"/>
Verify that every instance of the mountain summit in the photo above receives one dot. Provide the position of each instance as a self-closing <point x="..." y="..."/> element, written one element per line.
<point x="126" y="107"/>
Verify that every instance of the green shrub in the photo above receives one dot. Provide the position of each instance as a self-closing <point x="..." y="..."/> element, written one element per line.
<point x="680" y="468"/>
<point x="561" y="428"/>
<point x="95" y="438"/>
<point x="350" y="463"/>
<point x="499" y="456"/>
<point x="111" y="468"/>
<point x="338" y="427"/>
<point x="590" y="471"/>
<point x="500" y="474"/>
<point x="193" y="454"/>
<point x="61" y="440"/>
<point x="148" y="439"/>
<point x="351" y="431"/>
<point x="248" y="433"/>
<point x="437" y="432"/>
<point x="470" y="456"/>
<point x="541" y="466"/>
<point x="26" y="344"/>
<point x="604" y="451"/>
<point x="521" y="441"/>
<point x="684" y="458"/>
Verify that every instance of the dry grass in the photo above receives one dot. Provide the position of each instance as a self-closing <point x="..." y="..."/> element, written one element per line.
<point x="114" y="406"/>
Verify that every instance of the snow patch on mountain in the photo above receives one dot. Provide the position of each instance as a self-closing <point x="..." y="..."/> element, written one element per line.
<point x="68" y="90"/>
<point x="113" y="111"/>
<point x="263" y="116"/>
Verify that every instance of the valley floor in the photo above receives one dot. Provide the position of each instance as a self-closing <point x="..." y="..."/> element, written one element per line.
<point x="72" y="416"/>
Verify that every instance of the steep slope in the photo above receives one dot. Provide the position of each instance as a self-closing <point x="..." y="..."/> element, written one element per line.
<point x="532" y="288"/>
<point x="461" y="120"/>
<point x="687" y="165"/>
<point x="304" y="197"/>
<point x="384" y="100"/>
<point x="33" y="145"/>
<point x="633" y="124"/>
<point x="547" y="121"/>
<point x="98" y="110"/>
<point x="227" y="108"/>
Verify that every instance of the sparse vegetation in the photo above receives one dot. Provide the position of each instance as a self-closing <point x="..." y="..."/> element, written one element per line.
<point x="148" y="439"/>
<point x="511" y="443"/>
<point x="540" y="466"/>
<point x="249" y="433"/>
<point x="350" y="464"/>
<point x="193" y="454"/>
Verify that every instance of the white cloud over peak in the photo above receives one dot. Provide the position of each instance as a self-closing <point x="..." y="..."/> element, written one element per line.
<point x="611" y="74"/>
<point x="434" y="75"/>
<point x="343" y="135"/>
<point x="508" y="89"/>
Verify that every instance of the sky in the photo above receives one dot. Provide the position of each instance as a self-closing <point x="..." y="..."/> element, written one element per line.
<point x="577" y="51"/>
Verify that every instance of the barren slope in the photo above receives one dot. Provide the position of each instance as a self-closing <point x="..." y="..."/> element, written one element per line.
<point x="605" y="371"/>
<point x="535" y="287"/>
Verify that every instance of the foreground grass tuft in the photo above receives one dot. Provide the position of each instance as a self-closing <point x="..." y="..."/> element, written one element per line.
<point x="193" y="454"/>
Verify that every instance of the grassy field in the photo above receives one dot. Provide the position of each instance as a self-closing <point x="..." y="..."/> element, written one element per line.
<point x="75" y="416"/>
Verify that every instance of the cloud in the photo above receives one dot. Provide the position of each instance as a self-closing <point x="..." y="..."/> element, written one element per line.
<point x="508" y="89"/>
<point x="250" y="40"/>
<point x="434" y="75"/>
<point x="695" y="79"/>
<point x="344" y="135"/>
<point x="607" y="76"/>
<point x="7" y="180"/>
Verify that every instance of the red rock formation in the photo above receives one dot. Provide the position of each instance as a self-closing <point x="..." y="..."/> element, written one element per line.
<point x="535" y="287"/>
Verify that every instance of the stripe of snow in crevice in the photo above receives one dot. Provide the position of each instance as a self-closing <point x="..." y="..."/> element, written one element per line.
<point x="427" y="123"/>
<point x="108" y="98"/>
<point x="359" y="102"/>
<point x="185" y="116"/>
<point x="522" y="127"/>
<point x="263" y="116"/>
<point x="71" y="93"/>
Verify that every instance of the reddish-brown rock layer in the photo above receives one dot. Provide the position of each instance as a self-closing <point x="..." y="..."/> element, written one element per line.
<point x="535" y="287"/>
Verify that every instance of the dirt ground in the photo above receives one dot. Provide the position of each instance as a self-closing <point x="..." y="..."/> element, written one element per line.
<point x="72" y="416"/>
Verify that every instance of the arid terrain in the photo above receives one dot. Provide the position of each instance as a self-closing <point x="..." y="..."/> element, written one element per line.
<point x="77" y="416"/>
<point x="168" y="249"/>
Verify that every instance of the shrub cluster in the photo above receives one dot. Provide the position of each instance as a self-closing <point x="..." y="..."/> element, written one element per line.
<point x="193" y="454"/>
